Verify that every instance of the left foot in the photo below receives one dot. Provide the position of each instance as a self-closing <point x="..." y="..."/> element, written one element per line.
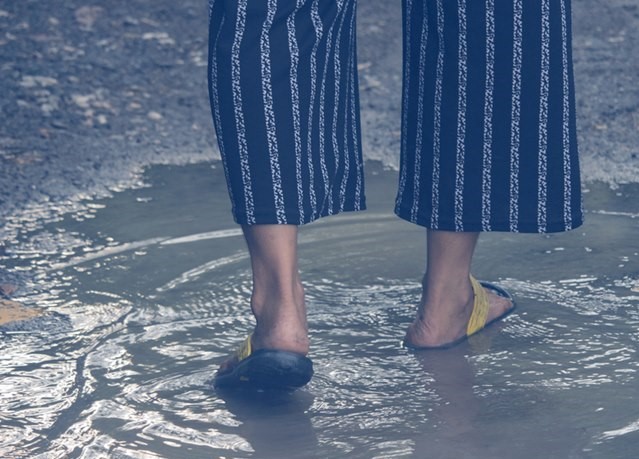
<point x="283" y="328"/>
<point x="297" y="343"/>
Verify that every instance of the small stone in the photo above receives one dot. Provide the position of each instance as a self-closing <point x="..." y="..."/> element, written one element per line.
<point x="87" y="15"/>
<point x="82" y="101"/>
<point x="129" y="21"/>
<point x="32" y="81"/>
<point x="162" y="38"/>
<point x="155" y="116"/>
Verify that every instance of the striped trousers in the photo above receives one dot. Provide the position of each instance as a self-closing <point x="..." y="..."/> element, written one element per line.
<point x="488" y="113"/>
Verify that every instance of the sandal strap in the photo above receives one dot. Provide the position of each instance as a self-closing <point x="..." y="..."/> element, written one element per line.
<point x="480" y="308"/>
<point x="245" y="349"/>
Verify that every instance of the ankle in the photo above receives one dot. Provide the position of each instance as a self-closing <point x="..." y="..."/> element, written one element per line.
<point x="277" y="298"/>
<point x="446" y="292"/>
<point x="281" y="319"/>
<point x="284" y="337"/>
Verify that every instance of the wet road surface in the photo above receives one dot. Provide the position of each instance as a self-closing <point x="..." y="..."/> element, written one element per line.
<point x="116" y="233"/>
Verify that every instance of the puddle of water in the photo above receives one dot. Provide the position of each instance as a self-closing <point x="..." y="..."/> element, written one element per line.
<point x="146" y="293"/>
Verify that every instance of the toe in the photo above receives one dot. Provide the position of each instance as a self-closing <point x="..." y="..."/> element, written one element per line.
<point x="499" y="305"/>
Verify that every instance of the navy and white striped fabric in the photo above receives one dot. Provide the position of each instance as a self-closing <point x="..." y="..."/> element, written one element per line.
<point x="489" y="137"/>
<point x="283" y="87"/>
<point x="488" y="118"/>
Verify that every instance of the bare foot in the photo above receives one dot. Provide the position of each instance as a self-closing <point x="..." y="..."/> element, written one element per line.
<point x="283" y="329"/>
<point x="441" y="324"/>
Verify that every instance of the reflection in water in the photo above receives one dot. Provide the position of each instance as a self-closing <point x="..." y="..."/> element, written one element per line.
<point x="275" y="424"/>
<point x="142" y="301"/>
<point x="456" y="410"/>
<point x="472" y="420"/>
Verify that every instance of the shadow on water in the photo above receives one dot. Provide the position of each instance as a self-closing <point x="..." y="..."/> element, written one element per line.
<point x="144" y="294"/>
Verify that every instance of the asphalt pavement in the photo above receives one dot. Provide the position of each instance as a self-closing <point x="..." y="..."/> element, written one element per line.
<point x="92" y="94"/>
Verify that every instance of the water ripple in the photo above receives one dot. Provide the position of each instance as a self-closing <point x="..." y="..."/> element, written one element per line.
<point x="121" y="362"/>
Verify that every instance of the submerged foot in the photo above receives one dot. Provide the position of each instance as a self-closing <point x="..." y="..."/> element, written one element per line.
<point x="296" y="342"/>
<point x="282" y="329"/>
<point x="265" y="368"/>
<point x="446" y="322"/>
<point x="272" y="357"/>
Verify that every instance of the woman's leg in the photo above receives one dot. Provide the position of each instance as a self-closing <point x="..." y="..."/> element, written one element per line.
<point x="447" y="296"/>
<point x="500" y="155"/>
<point x="283" y="89"/>
<point x="277" y="300"/>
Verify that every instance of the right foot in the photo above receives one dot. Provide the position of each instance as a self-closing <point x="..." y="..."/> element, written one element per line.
<point x="434" y="327"/>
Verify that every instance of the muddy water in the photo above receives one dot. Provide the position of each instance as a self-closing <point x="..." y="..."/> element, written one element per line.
<point x="145" y="293"/>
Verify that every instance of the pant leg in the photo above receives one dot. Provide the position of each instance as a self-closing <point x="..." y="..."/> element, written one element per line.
<point x="489" y="133"/>
<point x="284" y="95"/>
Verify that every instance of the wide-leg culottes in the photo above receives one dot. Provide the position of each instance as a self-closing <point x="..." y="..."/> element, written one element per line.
<point x="283" y="88"/>
<point x="488" y="112"/>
